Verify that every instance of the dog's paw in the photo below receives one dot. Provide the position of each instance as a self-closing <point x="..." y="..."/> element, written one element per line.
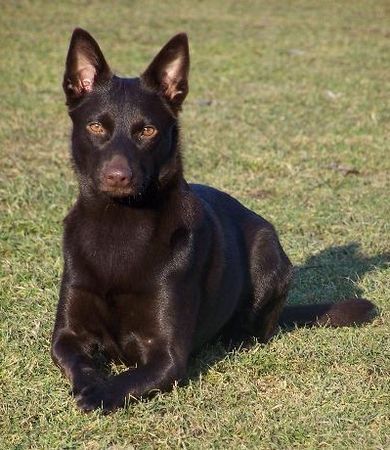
<point x="101" y="395"/>
<point x="85" y="379"/>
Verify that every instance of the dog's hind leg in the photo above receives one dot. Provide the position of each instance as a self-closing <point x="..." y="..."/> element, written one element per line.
<point x="270" y="274"/>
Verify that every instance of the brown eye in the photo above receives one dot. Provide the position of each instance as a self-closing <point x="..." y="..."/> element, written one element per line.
<point x="148" y="131"/>
<point x="96" y="128"/>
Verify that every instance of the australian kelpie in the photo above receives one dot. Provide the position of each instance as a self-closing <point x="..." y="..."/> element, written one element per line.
<point x="155" y="267"/>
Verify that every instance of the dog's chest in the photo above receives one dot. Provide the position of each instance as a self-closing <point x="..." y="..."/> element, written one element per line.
<point x="116" y="255"/>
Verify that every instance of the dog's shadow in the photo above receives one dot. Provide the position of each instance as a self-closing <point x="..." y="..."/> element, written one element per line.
<point x="328" y="276"/>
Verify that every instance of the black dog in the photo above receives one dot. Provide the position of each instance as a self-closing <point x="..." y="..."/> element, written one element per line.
<point x="155" y="267"/>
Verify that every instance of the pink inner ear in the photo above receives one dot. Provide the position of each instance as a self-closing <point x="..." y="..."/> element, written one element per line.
<point x="84" y="79"/>
<point x="168" y="86"/>
<point x="171" y="78"/>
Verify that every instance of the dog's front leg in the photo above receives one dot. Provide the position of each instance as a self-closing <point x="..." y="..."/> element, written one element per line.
<point x="72" y="342"/>
<point x="69" y="353"/>
<point x="164" y="356"/>
<point x="160" y="374"/>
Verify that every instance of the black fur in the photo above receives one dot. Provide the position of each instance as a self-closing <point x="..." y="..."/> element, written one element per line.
<point x="155" y="267"/>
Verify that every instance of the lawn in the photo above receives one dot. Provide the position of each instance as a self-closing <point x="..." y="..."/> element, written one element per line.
<point x="289" y="112"/>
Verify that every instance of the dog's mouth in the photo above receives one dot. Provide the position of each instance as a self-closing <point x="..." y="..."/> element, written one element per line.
<point x="120" y="192"/>
<point x="144" y="196"/>
<point x="131" y="196"/>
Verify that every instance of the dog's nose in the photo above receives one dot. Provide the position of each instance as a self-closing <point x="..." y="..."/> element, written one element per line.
<point x="118" y="177"/>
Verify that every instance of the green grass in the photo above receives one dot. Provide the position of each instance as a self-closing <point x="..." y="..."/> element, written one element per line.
<point x="299" y="97"/>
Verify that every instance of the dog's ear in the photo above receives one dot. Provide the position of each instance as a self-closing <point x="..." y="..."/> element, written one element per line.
<point x="85" y="66"/>
<point x="168" y="72"/>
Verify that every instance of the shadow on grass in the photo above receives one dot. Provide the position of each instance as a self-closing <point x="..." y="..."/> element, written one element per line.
<point x="333" y="274"/>
<point x="328" y="276"/>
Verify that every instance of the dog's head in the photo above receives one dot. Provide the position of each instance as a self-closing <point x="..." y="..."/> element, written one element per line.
<point x="125" y="130"/>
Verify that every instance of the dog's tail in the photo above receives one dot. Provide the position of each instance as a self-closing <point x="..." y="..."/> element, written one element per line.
<point x="342" y="314"/>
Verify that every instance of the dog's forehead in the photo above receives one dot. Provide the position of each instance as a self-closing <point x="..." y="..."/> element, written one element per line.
<point x="129" y="96"/>
<point x="126" y="100"/>
<point x="129" y="89"/>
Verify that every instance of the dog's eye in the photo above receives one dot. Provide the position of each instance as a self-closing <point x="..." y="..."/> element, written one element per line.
<point x="96" y="128"/>
<point x="148" y="131"/>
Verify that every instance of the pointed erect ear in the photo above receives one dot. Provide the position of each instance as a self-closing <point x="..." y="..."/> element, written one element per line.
<point x="85" y="66"/>
<point x="168" y="72"/>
